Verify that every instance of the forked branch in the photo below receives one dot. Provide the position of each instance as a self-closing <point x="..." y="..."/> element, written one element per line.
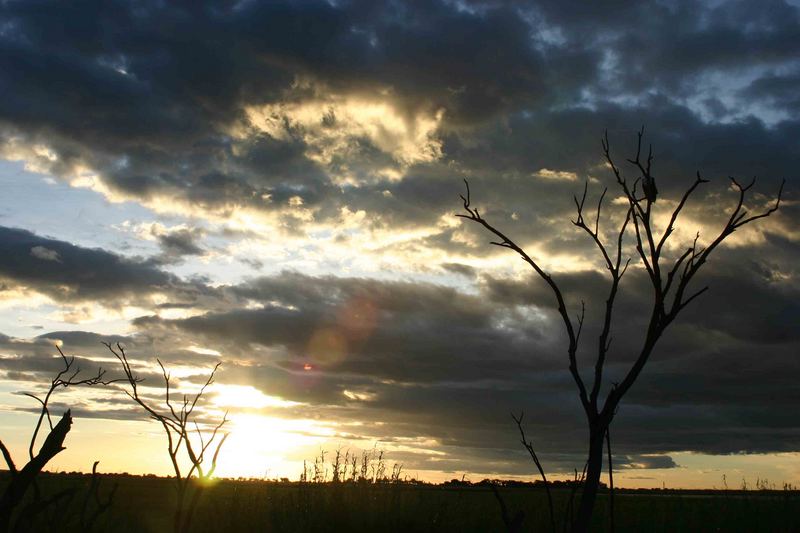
<point x="66" y="377"/>
<point x="505" y="242"/>
<point x="529" y="446"/>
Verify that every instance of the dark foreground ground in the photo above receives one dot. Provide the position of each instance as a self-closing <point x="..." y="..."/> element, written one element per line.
<point x="144" y="504"/>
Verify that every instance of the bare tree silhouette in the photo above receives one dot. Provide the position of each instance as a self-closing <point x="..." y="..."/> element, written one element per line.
<point x="670" y="280"/>
<point x="24" y="478"/>
<point x="184" y="434"/>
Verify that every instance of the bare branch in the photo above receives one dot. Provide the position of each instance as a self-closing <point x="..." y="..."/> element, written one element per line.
<point x="580" y="321"/>
<point x="529" y="446"/>
<point x="697" y="258"/>
<point x="674" y="217"/>
<point x="692" y="297"/>
<point x="742" y="221"/>
<point x="599" y="206"/>
<point x="216" y="454"/>
<point x="472" y="214"/>
<point x="45" y="410"/>
<point x="580" y="223"/>
<point x="7" y="456"/>
<point x="60" y="382"/>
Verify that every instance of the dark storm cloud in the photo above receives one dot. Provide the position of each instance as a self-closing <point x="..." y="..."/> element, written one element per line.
<point x="439" y="364"/>
<point x="461" y="269"/>
<point x="64" y="270"/>
<point x="450" y="366"/>
<point x="669" y="46"/>
<point x="682" y="143"/>
<point x="68" y="272"/>
<point x="38" y="356"/>
<point x="502" y="168"/>
<point x="779" y="90"/>
<point x="146" y="94"/>
<point x="178" y="243"/>
<point x="744" y="301"/>
<point x="390" y="330"/>
<point x="644" y="462"/>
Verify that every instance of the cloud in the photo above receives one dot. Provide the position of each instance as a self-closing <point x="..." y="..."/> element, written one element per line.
<point x="403" y="364"/>
<point x="775" y="90"/>
<point x="271" y="132"/>
<point x="176" y="243"/>
<point x="645" y="462"/>
<point x="548" y="174"/>
<point x="45" y="254"/>
<point x="73" y="274"/>
<point x="461" y="269"/>
<point x="358" y="141"/>
<point x="445" y="366"/>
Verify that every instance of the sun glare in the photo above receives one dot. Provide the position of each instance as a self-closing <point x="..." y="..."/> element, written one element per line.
<point x="246" y="396"/>
<point x="261" y="446"/>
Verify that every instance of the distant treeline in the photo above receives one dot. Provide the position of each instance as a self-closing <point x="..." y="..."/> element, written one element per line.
<point x="513" y="483"/>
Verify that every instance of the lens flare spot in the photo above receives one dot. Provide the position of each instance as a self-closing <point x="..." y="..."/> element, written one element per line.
<point x="358" y="318"/>
<point x="327" y="346"/>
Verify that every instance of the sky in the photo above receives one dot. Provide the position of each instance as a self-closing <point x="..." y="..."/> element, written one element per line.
<point x="274" y="186"/>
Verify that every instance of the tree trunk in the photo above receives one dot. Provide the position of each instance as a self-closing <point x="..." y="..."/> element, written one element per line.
<point x="189" y="513"/>
<point x="177" y="520"/>
<point x="22" y="480"/>
<point x="594" y="468"/>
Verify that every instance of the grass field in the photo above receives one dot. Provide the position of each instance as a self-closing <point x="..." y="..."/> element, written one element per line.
<point x="144" y="504"/>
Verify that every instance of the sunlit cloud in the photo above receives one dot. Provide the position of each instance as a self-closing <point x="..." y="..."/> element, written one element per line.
<point x="334" y="130"/>
<point x="564" y="175"/>
<point x="18" y="297"/>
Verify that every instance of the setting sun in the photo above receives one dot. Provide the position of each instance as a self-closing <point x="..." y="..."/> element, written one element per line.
<point x="262" y="446"/>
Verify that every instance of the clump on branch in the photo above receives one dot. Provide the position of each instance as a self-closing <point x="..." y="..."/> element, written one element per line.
<point x="185" y="437"/>
<point x="670" y="281"/>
